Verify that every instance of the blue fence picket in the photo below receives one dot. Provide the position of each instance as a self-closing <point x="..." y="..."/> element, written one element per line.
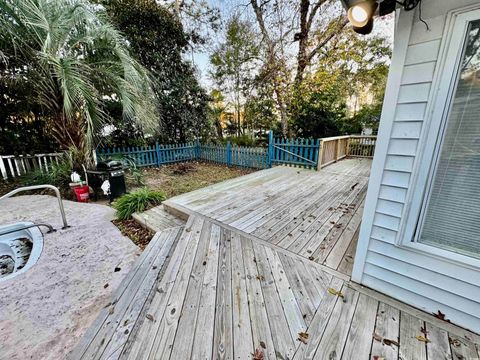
<point x="292" y="152"/>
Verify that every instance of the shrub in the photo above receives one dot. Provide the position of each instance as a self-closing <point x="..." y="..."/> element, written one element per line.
<point x="137" y="201"/>
<point x="58" y="174"/>
<point x="243" y="140"/>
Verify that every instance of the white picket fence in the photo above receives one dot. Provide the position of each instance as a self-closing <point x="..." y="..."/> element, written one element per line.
<point x="12" y="166"/>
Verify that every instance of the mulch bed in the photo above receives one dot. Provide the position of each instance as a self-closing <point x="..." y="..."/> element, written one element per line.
<point x="135" y="232"/>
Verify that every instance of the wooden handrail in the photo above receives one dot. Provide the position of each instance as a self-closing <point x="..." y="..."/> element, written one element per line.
<point x="335" y="148"/>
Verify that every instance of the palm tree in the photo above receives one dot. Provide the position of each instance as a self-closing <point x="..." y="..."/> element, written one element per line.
<point x="74" y="60"/>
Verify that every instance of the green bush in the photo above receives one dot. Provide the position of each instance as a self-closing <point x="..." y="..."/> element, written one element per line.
<point x="137" y="201"/>
<point x="243" y="140"/>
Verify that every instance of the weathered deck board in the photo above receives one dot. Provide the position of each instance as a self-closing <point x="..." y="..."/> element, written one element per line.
<point x="304" y="211"/>
<point x="224" y="294"/>
<point x="157" y="219"/>
<point x="239" y="278"/>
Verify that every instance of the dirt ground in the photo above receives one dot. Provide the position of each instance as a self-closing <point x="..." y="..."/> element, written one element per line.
<point x="185" y="177"/>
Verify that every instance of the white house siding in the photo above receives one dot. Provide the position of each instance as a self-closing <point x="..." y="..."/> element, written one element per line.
<point x="424" y="281"/>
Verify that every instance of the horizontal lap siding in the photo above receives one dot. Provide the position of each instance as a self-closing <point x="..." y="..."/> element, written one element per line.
<point x="398" y="271"/>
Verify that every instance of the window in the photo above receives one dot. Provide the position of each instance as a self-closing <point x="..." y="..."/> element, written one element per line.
<point x="451" y="216"/>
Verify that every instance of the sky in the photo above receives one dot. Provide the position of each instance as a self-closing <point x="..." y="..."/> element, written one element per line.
<point x="383" y="27"/>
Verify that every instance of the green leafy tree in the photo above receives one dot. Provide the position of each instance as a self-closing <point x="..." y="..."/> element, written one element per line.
<point x="215" y="111"/>
<point x="157" y="38"/>
<point x="317" y="111"/>
<point x="234" y="62"/>
<point x="73" y="60"/>
<point x="352" y="70"/>
<point x="260" y="113"/>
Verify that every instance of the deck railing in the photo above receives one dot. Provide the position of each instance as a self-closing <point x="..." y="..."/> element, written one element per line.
<point x="12" y="166"/>
<point x="336" y="148"/>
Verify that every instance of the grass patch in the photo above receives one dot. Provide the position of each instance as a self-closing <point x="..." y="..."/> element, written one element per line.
<point x="137" y="201"/>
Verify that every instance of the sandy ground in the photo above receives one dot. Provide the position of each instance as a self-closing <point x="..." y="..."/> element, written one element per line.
<point x="45" y="311"/>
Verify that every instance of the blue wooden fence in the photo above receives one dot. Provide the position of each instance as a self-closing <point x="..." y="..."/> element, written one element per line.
<point x="293" y="152"/>
<point x="296" y="152"/>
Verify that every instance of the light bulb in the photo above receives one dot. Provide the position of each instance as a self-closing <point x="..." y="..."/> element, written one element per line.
<point x="359" y="15"/>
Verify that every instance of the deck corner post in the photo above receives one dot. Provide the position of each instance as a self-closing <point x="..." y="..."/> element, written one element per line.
<point x="320" y="155"/>
<point x="270" y="148"/>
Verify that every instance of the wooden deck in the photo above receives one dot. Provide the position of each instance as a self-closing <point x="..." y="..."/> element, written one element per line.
<point x="210" y="291"/>
<point x="313" y="214"/>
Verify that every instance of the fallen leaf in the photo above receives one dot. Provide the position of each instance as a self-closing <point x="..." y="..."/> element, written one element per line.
<point x="454" y="342"/>
<point x="303" y="337"/>
<point x="311" y="258"/>
<point x="150" y="317"/>
<point x="105" y="286"/>
<point x="422" y="338"/>
<point x="390" y="342"/>
<point x="377" y="337"/>
<point x="423" y="331"/>
<point x="258" y="355"/>
<point x="111" y="310"/>
<point x="376" y="357"/>
<point x="441" y="316"/>
<point x="261" y="277"/>
<point x="336" y="292"/>
<point x="262" y="344"/>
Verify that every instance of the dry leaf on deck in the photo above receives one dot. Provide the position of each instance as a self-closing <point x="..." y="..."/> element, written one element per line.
<point x="303" y="337"/>
<point x="377" y="337"/>
<point x="441" y="316"/>
<point x="390" y="342"/>
<point x="258" y="355"/>
<point x="150" y="317"/>
<point x="422" y="338"/>
<point x="262" y="344"/>
<point x="376" y="357"/>
<point x="454" y="342"/>
<point x="423" y="331"/>
<point x="336" y="292"/>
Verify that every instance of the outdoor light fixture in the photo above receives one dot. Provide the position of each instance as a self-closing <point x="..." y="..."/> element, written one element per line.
<point x="360" y="13"/>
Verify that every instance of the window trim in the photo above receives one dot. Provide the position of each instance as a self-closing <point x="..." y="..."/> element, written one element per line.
<point x="444" y="86"/>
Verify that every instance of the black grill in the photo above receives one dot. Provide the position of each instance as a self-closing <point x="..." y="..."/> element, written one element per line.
<point x="113" y="172"/>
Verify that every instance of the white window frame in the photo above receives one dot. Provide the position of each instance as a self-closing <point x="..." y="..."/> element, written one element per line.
<point x="444" y="86"/>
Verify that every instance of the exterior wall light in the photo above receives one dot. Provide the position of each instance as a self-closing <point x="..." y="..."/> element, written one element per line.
<point x="360" y="13"/>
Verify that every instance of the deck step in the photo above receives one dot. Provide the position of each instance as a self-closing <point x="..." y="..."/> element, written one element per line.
<point x="158" y="219"/>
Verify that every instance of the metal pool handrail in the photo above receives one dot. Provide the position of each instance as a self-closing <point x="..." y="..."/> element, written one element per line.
<point x="37" y="187"/>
